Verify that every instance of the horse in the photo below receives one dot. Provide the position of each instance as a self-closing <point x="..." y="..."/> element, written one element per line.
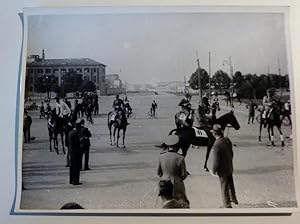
<point x="273" y="119"/>
<point x="119" y="122"/>
<point x="187" y="136"/>
<point x="55" y="128"/>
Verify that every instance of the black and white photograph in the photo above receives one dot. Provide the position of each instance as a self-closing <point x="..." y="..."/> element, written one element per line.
<point x="162" y="109"/>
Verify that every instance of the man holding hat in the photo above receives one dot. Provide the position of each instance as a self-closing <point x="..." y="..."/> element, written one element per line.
<point x="75" y="154"/>
<point x="172" y="171"/>
<point x="222" y="156"/>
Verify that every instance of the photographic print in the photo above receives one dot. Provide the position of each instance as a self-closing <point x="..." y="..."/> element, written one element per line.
<point x="160" y="109"/>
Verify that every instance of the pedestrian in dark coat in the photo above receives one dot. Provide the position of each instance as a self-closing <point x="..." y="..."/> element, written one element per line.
<point x="26" y="126"/>
<point x="172" y="172"/>
<point x="251" y="106"/>
<point x="222" y="166"/>
<point x="85" y="143"/>
<point x="68" y="129"/>
<point x="75" y="154"/>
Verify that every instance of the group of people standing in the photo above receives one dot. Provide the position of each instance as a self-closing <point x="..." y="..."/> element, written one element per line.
<point x="78" y="145"/>
<point x="172" y="171"/>
<point x="172" y="168"/>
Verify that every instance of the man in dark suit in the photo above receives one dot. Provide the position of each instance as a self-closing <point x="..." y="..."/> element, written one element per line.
<point x="85" y="143"/>
<point x="222" y="165"/>
<point x="75" y="154"/>
<point x="26" y="127"/>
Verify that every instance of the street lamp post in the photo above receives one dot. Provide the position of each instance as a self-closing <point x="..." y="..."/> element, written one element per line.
<point x="229" y="63"/>
<point x="47" y="86"/>
<point x="199" y="78"/>
<point x="62" y="88"/>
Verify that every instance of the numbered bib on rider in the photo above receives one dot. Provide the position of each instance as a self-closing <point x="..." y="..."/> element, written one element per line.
<point x="200" y="133"/>
<point x="112" y="117"/>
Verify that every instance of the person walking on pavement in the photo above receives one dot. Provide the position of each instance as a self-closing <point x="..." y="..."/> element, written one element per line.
<point x="26" y="127"/>
<point x="75" y="154"/>
<point x="222" y="166"/>
<point x="42" y="110"/>
<point x="85" y="143"/>
<point x="251" y="106"/>
<point x="68" y="129"/>
<point x="172" y="172"/>
<point x="153" y="108"/>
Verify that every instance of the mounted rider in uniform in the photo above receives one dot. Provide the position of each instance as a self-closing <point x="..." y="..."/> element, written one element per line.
<point x="62" y="109"/>
<point x="267" y="102"/>
<point x="186" y="109"/>
<point x="119" y="107"/>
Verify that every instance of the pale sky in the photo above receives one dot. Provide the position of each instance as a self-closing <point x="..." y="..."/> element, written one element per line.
<point x="147" y="48"/>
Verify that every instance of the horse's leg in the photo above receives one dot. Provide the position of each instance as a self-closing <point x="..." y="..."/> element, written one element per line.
<point x="281" y="135"/>
<point x="62" y="142"/>
<point x="208" y="149"/>
<point x="114" y="133"/>
<point x="260" y="128"/>
<point x="109" y="127"/>
<point x="118" y="136"/>
<point x="50" y="140"/>
<point x="55" y="140"/>
<point x="272" y="135"/>
<point x="124" y="131"/>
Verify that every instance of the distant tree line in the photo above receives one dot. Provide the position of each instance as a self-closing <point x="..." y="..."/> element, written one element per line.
<point x="71" y="82"/>
<point x="247" y="86"/>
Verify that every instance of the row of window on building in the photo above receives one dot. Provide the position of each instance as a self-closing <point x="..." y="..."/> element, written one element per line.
<point x="64" y="70"/>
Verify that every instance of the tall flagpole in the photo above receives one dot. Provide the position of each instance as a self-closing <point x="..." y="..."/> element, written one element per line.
<point x="279" y="73"/>
<point x="209" y="74"/>
<point x="199" y="77"/>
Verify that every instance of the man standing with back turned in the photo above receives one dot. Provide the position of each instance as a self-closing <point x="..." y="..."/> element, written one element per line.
<point x="222" y="165"/>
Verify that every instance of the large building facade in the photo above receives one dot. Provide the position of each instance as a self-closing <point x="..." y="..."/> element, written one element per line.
<point x="90" y="69"/>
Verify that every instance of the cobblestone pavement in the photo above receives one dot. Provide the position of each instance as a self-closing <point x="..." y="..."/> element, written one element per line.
<point x="126" y="178"/>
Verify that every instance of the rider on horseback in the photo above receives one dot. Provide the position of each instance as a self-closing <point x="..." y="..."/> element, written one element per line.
<point x="119" y="108"/>
<point x="62" y="109"/>
<point x="186" y="110"/>
<point x="185" y="103"/>
<point x="267" y="102"/>
<point x="202" y="120"/>
<point x="127" y="107"/>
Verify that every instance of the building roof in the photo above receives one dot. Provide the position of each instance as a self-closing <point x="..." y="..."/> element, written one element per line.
<point x="65" y="62"/>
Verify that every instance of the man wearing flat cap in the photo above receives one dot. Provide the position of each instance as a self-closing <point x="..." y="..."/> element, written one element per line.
<point x="172" y="172"/>
<point x="75" y="154"/>
<point x="222" y="156"/>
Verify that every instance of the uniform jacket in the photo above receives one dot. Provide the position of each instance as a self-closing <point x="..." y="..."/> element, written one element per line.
<point x="222" y="157"/>
<point x="84" y="135"/>
<point x="172" y="167"/>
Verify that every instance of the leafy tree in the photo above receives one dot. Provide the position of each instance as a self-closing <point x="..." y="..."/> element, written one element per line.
<point x="221" y="80"/>
<point x="194" y="80"/>
<point x="71" y="82"/>
<point x="46" y="83"/>
<point x="238" y="78"/>
<point x="87" y="86"/>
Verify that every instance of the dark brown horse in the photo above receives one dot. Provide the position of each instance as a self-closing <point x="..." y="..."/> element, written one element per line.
<point x="55" y="128"/>
<point x="188" y="137"/>
<point x="273" y="119"/>
<point x="117" y="121"/>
